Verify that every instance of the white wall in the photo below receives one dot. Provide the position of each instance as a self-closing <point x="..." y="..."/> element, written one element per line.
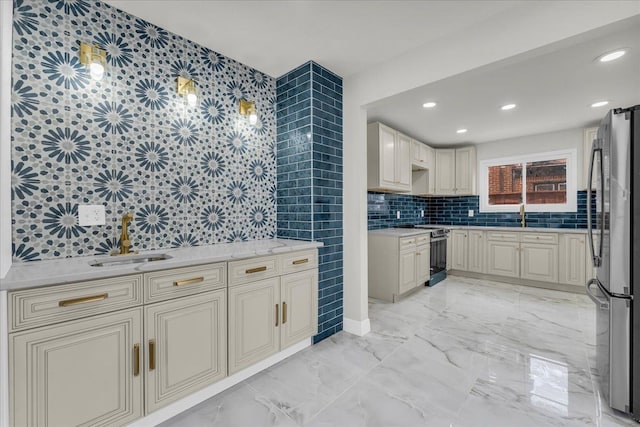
<point x="527" y="26"/>
<point x="6" y="12"/>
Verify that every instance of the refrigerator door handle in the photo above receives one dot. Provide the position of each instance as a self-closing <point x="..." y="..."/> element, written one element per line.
<point x="603" y="305"/>
<point x="595" y="149"/>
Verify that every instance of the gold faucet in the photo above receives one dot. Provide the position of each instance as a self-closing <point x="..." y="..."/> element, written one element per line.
<point x="523" y="221"/>
<point x="125" y="243"/>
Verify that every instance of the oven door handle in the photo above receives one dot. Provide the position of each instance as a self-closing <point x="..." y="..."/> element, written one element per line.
<point x="438" y="239"/>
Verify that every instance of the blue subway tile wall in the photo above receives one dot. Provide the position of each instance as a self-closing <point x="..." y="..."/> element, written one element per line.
<point x="309" y="159"/>
<point x="454" y="211"/>
<point x="190" y="175"/>
<point x="382" y="210"/>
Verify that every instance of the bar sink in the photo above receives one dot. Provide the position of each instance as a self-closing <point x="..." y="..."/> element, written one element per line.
<point x="124" y="260"/>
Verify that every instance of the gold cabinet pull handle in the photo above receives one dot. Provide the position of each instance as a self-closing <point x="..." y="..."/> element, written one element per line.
<point x="277" y="315"/>
<point x="188" y="281"/>
<point x="284" y="313"/>
<point x="152" y="355"/>
<point x="418" y="254"/>
<point x="256" y="270"/>
<point x="136" y="360"/>
<point x="82" y="300"/>
<point x="300" y="261"/>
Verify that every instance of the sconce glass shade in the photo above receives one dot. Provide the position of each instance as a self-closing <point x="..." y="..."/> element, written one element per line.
<point x="187" y="88"/>
<point x="248" y="108"/>
<point x="94" y="59"/>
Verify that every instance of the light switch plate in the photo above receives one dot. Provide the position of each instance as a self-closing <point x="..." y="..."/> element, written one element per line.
<point x="91" y="215"/>
<point x="422" y="214"/>
<point x="398" y="214"/>
<point x="470" y="212"/>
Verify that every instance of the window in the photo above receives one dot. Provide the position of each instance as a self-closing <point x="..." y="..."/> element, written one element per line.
<point x="544" y="182"/>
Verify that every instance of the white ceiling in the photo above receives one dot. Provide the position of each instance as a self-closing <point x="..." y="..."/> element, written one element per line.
<point x="345" y="36"/>
<point x="553" y="88"/>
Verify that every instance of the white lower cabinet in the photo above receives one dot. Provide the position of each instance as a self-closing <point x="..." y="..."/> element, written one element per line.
<point x="503" y="258"/>
<point x="459" y="249"/>
<point x="423" y="263"/>
<point x="407" y="280"/>
<point x="186" y="346"/>
<point x="574" y="261"/>
<point x="81" y="372"/>
<point x="269" y="315"/>
<point x="539" y="261"/>
<point x="476" y="257"/>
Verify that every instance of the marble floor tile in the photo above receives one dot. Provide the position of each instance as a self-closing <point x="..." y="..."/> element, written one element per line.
<point x="465" y="353"/>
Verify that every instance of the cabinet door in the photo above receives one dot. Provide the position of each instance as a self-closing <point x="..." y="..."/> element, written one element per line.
<point x="186" y="346"/>
<point x="403" y="162"/>
<point x="407" y="280"/>
<point x="465" y="171"/>
<point x="387" y="157"/>
<point x="572" y="259"/>
<point x="299" y="318"/>
<point x="423" y="264"/>
<point x="539" y="262"/>
<point x="503" y="258"/>
<point x="445" y="171"/>
<point x="476" y="251"/>
<point x="417" y="154"/>
<point x="459" y="250"/>
<point x="253" y="322"/>
<point x="82" y="372"/>
<point x="431" y="166"/>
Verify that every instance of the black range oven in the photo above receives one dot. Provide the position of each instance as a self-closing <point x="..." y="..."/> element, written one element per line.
<point x="439" y="237"/>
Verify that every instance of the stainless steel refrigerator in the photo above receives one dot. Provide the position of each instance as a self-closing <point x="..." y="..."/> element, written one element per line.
<point x="614" y="240"/>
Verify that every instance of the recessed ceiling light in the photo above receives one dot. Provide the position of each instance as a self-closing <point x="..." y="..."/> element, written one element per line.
<point x="612" y="56"/>
<point x="599" y="104"/>
<point x="461" y="131"/>
<point x="508" y="107"/>
<point x="430" y="104"/>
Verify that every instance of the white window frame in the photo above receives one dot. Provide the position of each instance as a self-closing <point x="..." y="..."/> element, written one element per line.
<point x="572" y="182"/>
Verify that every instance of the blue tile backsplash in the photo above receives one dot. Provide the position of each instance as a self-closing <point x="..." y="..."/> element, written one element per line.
<point x="309" y="123"/>
<point x="190" y="175"/>
<point x="453" y="210"/>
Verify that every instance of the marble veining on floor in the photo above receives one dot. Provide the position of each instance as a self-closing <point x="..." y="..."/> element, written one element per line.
<point x="463" y="353"/>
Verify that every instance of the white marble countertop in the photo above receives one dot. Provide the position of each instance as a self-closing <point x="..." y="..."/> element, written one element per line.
<point x="516" y="229"/>
<point x="59" y="271"/>
<point x="399" y="232"/>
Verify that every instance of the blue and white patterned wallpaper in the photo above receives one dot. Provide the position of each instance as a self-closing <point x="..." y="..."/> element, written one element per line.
<point x="191" y="176"/>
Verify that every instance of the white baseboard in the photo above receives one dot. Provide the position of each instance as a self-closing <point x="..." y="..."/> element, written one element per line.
<point x="356" y="327"/>
<point x="182" y="405"/>
<point x="4" y="361"/>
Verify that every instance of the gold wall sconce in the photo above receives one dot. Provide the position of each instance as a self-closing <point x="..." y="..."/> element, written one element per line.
<point x="248" y="108"/>
<point x="94" y="58"/>
<point x="187" y="88"/>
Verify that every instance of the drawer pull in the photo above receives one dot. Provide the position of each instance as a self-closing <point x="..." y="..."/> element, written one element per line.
<point x="256" y="270"/>
<point x="277" y="315"/>
<point x="188" y="281"/>
<point x="82" y="300"/>
<point x="300" y="261"/>
<point x="152" y="355"/>
<point x="284" y="313"/>
<point x="418" y="254"/>
<point x="136" y="360"/>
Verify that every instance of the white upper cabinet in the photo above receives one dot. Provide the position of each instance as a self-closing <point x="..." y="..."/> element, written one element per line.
<point x="419" y="155"/>
<point x="388" y="159"/>
<point x="455" y="171"/>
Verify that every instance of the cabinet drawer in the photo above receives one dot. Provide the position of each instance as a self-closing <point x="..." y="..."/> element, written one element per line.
<point x="178" y="282"/>
<point x="44" y="306"/>
<point x="407" y="243"/>
<point x="503" y="236"/>
<point x="299" y="261"/>
<point x="252" y="269"/>
<point x="539" y="238"/>
<point x="423" y="240"/>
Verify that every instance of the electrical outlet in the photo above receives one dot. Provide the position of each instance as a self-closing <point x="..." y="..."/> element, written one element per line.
<point x="470" y="212"/>
<point x="422" y="214"/>
<point x="398" y="214"/>
<point x="91" y="215"/>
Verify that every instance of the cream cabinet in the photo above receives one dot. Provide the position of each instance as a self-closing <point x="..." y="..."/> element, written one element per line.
<point x="266" y="316"/>
<point x="573" y="259"/>
<point x="476" y="257"/>
<point x="80" y="372"/>
<point x="420" y="155"/>
<point x="397" y="265"/>
<point x="455" y="171"/>
<point x="539" y="261"/>
<point x="186" y="346"/>
<point x="459" y="240"/>
<point x="388" y="159"/>
<point x="503" y="254"/>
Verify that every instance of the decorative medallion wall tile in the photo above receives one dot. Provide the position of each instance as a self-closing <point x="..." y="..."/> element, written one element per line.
<point x="191" y="175"/>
